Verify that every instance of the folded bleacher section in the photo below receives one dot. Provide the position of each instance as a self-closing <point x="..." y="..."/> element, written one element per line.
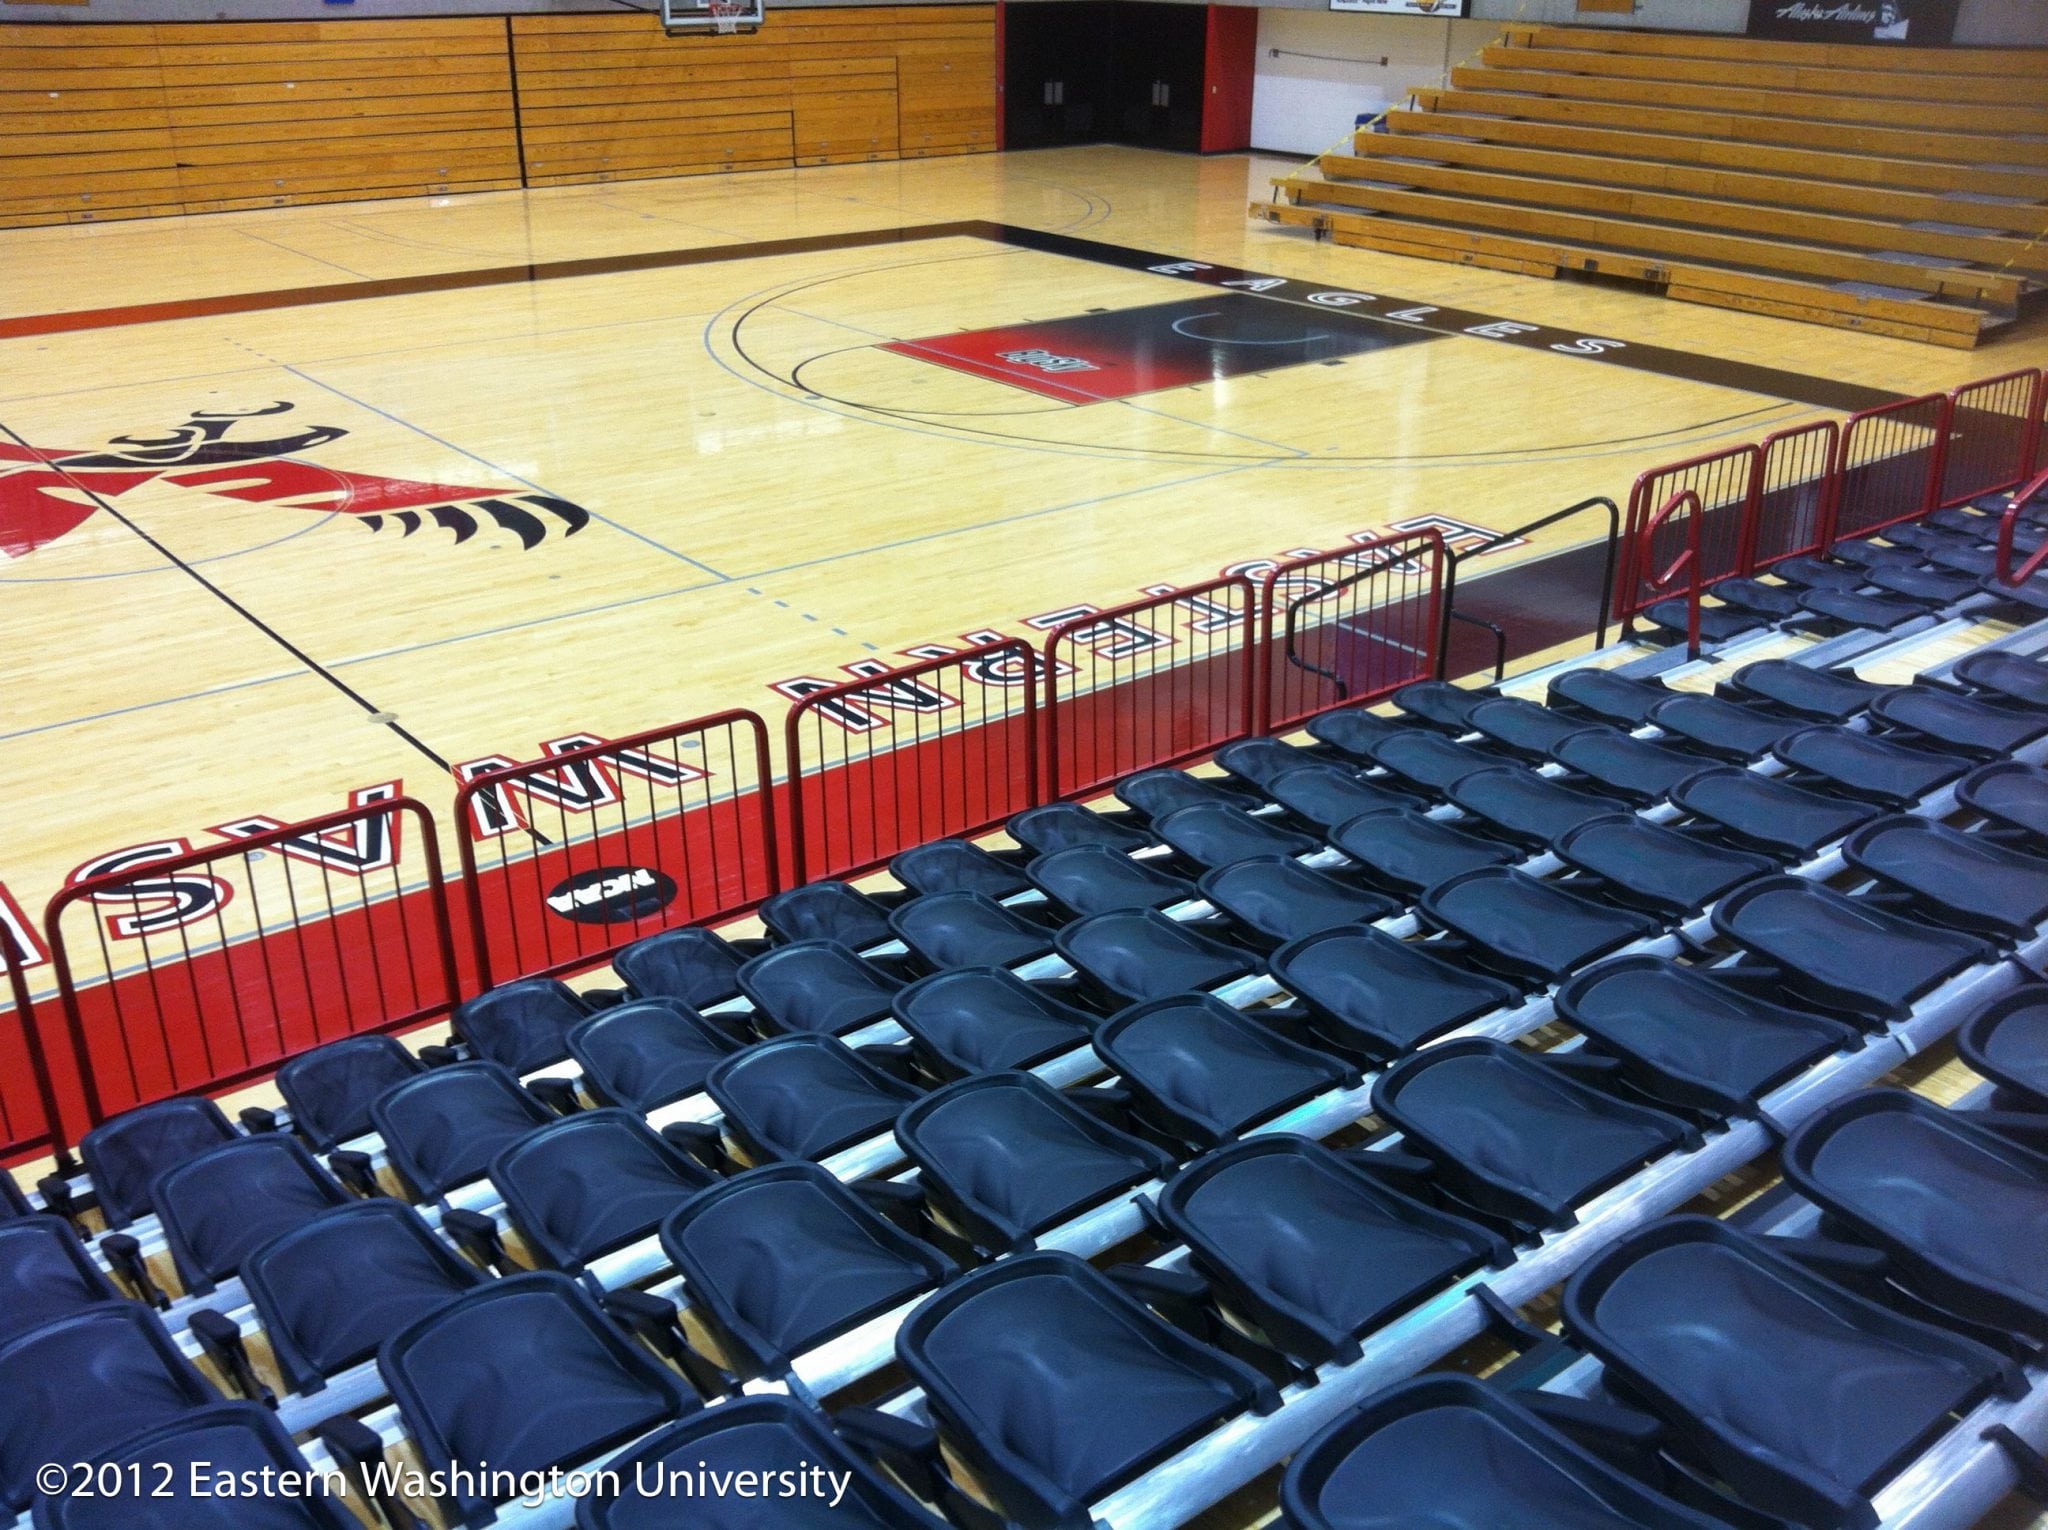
<point x="1895" y="190"/>
<point x="1096" y="1169"/>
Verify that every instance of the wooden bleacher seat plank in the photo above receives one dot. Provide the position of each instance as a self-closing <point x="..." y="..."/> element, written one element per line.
<point x="1856" y="171"/>
<point x="117" y="120"/>
<point x="603" y="98"/>
<point x="2010" y="61"/>
<point x="1903" y="84"/>
<point x="83" y="130"/>
<point x="1880" y="202"/>
<point x="1943" y="116"/>
<point x="1839" y="185"/>
<point x="1950" y="148"/>
<point x="1690" y="209"/>
<point x="1991" y="287"/>
<point x="1750" y="291"/>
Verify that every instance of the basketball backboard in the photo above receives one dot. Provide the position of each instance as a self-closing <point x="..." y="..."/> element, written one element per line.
<point x="681" y="16"/>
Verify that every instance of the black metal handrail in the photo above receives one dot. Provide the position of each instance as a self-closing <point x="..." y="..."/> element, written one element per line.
<point x="1500" y="643"/>
<point x="1459" y="555"/>
<point x="1393" y="560"/>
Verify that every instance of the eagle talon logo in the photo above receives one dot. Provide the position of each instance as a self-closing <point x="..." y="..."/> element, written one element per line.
<point x="46" y="494"/>
<point x="509" y="511"/>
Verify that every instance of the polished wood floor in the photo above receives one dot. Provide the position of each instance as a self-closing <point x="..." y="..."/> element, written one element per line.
<point x="769" y="494"/>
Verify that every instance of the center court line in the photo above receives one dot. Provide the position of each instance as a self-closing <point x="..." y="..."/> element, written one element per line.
<point x="1295" y="451"/>
<point x="503" y="472"/>
<point x="321" y="260"/>
<point x="166" y="568"/>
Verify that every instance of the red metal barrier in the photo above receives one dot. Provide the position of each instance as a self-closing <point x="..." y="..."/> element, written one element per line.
<point x="1795" y="494"/>
<point x="1151" y="683"/>
<point x="890" y="760"/>
<point x="1687" y="562"/>
<point x="206" y="969"/>
<point x="1726" y="484"/>
<point x="566" y="859"/>
<point x="1349" y="626"/>
<point x="28" y="1098"/>
<point x="1890" y="468"/>
<point x="2007" y="523"/>
<point x="2037" y="457"/>
<point x="1994" y="432"/>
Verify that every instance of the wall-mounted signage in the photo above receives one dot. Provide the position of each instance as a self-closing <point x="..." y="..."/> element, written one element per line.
<point x="1403" y="7"/>
<point x="1855" y="21"/>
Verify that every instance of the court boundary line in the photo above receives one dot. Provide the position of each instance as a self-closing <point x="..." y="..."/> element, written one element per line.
<point x="481" y="461"/>
<point x="942" y="424"/>
<point x="171" y="310"/>
<point x="312" y="665"/>
<point x="1689" y="366"/>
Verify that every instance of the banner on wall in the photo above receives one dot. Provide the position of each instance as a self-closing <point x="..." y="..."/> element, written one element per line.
<point x="1403" y="7"/>
<point x="1920" y="22"/>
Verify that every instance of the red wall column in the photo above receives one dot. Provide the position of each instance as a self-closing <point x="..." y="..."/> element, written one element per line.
<point x="1231" y="46"/>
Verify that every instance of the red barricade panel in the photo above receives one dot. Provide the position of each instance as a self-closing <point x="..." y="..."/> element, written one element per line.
<point x="1726" y="484"/>
<point x="1891" y="465"/>
<point x="1994" y="429"/>
<point x="1346" y="627"/>
<point x="894" y="759"/>
<point x="1795" y="493"/>
<point x="205" y="969"/>
<point x="1155" y="682"/>
<point x="568" y="858"/>
<point x="28" y="1102"/>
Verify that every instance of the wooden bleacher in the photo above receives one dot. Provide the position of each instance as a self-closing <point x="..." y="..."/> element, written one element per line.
<point x="1901" y="191"/>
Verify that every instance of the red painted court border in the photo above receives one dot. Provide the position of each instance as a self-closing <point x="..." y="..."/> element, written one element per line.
<point x="1044" y="384"/>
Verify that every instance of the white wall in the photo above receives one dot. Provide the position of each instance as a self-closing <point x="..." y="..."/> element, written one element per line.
<point x="1318" y="70"/>
<point x="1987" y="23"/>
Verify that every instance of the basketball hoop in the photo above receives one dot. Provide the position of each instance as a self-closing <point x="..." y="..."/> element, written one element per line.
<point x="693" y="18"/>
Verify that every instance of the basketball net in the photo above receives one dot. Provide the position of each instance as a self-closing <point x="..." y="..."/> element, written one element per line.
<point x="725" y="15"/>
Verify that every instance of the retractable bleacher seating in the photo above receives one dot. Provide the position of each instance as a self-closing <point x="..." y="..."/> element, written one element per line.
<point x="1900" y="578"/>
<point x="1896" y="190"/>
<point x="1088" y="1180"/>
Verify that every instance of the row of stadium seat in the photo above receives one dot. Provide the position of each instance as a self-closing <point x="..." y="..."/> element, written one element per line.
<point x="1139" y="953"/>
<point x="1880" y="584"/>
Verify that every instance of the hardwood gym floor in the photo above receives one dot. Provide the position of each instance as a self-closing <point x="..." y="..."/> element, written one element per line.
<point x="349" y="495"/>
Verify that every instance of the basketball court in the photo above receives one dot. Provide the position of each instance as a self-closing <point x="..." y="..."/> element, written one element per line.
<point x="768" y="436"/>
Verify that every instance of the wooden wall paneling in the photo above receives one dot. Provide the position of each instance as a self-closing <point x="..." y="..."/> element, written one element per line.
<point x="943" y="89"/>
<point x="609" y="97"/>
<point x="843" y="95"/>
<point x="270" y="113"/>
<point x="946" y="90"/>
<point x="126" y="120"/>
<point x="83" y="125"/>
